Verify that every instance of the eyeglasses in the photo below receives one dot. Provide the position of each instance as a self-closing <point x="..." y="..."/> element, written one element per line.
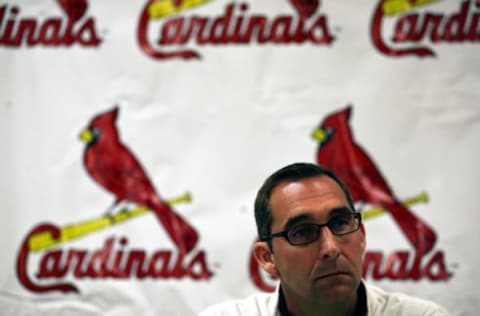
<point x="303" y="234"/>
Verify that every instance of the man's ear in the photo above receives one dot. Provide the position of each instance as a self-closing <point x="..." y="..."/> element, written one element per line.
<point x="265" y="258"/>
<point x="363" y="241"/>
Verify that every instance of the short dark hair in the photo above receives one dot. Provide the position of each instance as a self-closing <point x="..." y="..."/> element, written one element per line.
<point x="292" y="172"/>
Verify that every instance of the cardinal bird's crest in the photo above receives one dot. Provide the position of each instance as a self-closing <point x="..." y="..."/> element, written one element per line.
<point x="343" y="115"/>
<point x="107" y="118"/>
<point x="339" y="151"/>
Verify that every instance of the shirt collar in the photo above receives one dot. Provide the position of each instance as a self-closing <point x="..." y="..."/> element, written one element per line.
<point x="361" y="309"/>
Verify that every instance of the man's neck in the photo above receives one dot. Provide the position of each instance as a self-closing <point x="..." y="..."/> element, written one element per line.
<point x="352" y="306"/>
<point x="340" y="308"/>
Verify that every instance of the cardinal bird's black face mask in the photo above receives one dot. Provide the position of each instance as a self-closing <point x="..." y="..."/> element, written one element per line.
<point x="95" y="135"/>
<point x="329" y="131"/>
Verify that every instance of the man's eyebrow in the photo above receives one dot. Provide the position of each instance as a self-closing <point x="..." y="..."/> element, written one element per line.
<point x="342" y="210"/>
<point x="306" y="217"/>
<point x="297" y="219"/>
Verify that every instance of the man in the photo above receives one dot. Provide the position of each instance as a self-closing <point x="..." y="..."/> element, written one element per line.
<point x="313" y="241"/>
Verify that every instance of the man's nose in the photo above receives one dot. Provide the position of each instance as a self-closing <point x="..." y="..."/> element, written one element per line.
<point x="328" y="244"/>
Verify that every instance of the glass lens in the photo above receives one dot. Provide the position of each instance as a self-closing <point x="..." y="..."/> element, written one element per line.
<point x="339" y="224"/>
<point x="342" y="224"/>
<point x="303" y="234"/>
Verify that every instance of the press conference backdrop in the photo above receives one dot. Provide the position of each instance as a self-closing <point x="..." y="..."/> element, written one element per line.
<point x="193" y="103"/>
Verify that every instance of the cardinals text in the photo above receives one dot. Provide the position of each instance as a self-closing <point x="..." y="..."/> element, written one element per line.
<point x="54" y="31"/>
<point x="414" y="28"/>
<point x="113" y="260"/>
<point x="234" y="26"/>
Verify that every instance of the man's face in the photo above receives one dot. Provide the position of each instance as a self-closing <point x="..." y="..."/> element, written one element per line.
<point x="328" y="270"/>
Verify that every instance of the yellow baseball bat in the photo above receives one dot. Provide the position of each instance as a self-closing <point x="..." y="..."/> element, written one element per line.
<point x="376" y="211"/>
<point x="45" y="240"/>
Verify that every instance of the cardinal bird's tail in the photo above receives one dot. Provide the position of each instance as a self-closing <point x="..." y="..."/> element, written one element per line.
<point x="420" y="235"/>
<point x="182" y="234"/>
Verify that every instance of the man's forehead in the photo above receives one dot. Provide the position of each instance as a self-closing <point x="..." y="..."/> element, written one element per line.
<point x="307" y="187"/>
<point x="306" y="196"/>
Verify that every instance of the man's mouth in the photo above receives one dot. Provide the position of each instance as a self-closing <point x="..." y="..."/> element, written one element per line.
<point x="330" y="275"/>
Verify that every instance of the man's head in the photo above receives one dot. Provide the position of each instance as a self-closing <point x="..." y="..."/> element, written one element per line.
<point x="315" y="264"/>
<point x="292" y="172"/>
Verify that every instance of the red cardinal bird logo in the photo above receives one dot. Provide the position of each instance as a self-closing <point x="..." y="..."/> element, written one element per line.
<point x="339" y="152"/>
<point x="114" y="167"/>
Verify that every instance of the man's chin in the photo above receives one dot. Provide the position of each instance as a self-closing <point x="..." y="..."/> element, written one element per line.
<point x="334" y="289"/>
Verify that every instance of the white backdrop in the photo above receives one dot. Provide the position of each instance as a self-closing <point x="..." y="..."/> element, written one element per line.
<point x="216" y="126"/>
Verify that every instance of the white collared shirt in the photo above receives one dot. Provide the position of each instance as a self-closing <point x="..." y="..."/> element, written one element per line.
<point x="379" y="302"/>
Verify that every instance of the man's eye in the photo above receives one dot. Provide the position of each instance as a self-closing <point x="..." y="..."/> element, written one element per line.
<point x="303" y="231"/>
<point x="339" y="222"/>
